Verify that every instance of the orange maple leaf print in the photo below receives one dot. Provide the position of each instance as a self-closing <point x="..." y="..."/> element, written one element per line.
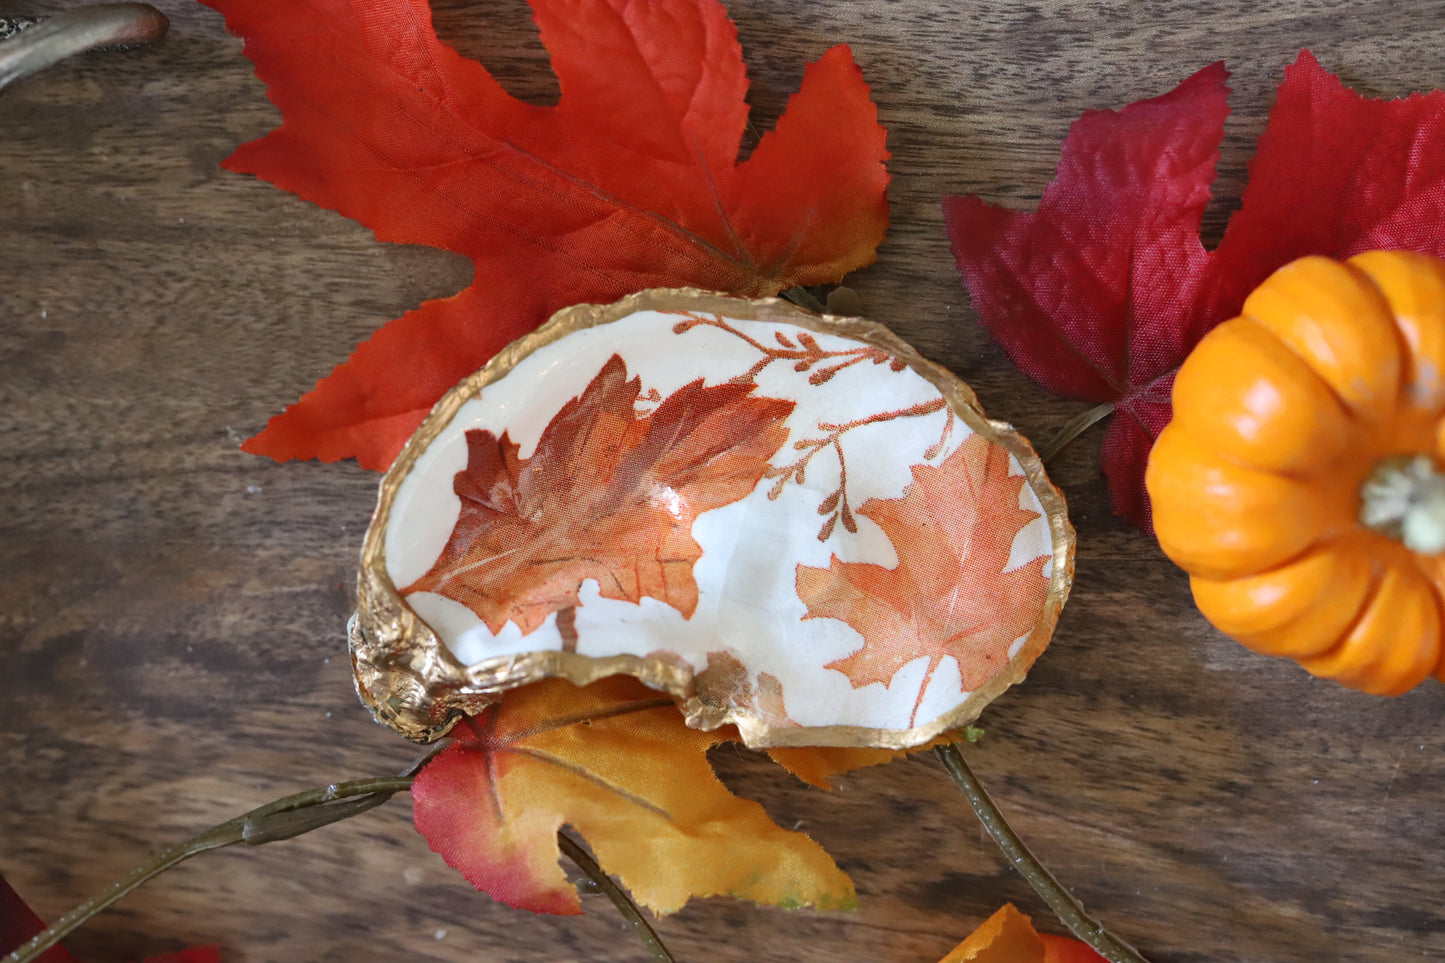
<point x="608" y="494"/>
<point x="950" y="595"/>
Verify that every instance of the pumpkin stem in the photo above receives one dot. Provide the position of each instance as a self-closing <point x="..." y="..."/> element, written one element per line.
<point x="1404" y="498"/>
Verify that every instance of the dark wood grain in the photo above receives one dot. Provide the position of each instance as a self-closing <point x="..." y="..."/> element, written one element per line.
<point x="172" y="611"/>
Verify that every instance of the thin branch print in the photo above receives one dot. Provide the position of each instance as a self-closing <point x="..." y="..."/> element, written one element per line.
<point x="805" y="352"/>
<point x="836" y="506"/>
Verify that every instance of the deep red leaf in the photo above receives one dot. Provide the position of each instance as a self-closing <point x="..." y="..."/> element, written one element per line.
<point x="191" y="954"/>
<point x="1101" y="293"/>
<point x="630" y="181"/>
<point x="18" y="924"/>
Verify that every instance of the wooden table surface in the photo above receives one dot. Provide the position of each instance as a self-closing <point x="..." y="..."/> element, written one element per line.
<point x="172" y="611"/>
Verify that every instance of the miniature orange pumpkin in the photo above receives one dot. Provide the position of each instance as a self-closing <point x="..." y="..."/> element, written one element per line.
<point x="1301" y="484"/>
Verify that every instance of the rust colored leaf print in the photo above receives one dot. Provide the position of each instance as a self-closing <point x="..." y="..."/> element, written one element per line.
<point x="608" y="494"/>
<point x="949" y="595"/>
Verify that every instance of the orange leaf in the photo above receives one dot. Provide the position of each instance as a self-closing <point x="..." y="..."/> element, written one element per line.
<point x="607" y="494"/>
<point x="631" y="181"/>
<point x="817" y="765"/>
<point x="950" y="594"/>
<point x="1062" y="949"/>
<point x="1008" y="936"/>
<point x="615" y="762"/>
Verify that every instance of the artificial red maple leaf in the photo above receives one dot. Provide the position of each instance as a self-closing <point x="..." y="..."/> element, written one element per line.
<point x="607" y="494"/>
<point x="617" y="763"/>
<point x="19" y="924"/>
<point x="1101" y="293"/>
<point x="191" y="954"/>
<point x="949" y="595"/>
<point x="631" y="181"/>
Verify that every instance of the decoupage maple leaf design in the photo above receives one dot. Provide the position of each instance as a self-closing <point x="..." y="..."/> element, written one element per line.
<point x="1106" y="288"/>
<point x="615" y="762"/>
<point x="607" y="494"/>
<point x="949" y="595"/>
<point x="631" y="181"/>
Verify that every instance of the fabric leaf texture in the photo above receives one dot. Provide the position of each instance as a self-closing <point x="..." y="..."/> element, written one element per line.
<point x="1103" y="291"/>
<point x="1008" y="936"/>
<point x="630" y="181"/>
<point x="617" y="764"/>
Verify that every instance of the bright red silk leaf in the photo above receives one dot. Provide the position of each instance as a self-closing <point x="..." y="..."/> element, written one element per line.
<point x="630" y="182"/>
<point x="1101" y="293"/>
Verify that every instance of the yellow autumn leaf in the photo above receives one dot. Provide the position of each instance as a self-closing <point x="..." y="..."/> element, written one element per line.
<point x="614" y="761"/>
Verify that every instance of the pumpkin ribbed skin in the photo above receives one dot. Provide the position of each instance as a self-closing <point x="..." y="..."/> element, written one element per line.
<point x="1281" y="415"/>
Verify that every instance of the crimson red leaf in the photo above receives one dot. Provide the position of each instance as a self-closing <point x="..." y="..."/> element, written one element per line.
<point x="630" y="181"/>
<point x="191" y="954"/>
<point x="18" y="924"/>
<point x="1090" y="295"/>
<point x="1101" y="293"/>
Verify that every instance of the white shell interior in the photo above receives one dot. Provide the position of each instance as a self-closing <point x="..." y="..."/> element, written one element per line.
<point x="747" y="602"/>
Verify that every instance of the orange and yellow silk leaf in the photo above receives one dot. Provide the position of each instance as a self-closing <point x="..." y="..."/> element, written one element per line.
<point x="1008" y="936"/>
<point x="615" y="762"/>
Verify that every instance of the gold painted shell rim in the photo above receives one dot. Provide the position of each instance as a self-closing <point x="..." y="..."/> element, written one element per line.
<point x="411" y="682"/>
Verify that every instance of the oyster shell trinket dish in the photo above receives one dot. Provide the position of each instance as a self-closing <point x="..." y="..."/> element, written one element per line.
<point x="791" y="523"/>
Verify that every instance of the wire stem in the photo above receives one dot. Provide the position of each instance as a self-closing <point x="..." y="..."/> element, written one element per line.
<point x="76" y="31"/>
<point x="619" y="897"/>
<point x="804" y="298"/>
<point x="1075" y="427"/>
<point x="1068" y="909"/>
<point x="281" y="819"/>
